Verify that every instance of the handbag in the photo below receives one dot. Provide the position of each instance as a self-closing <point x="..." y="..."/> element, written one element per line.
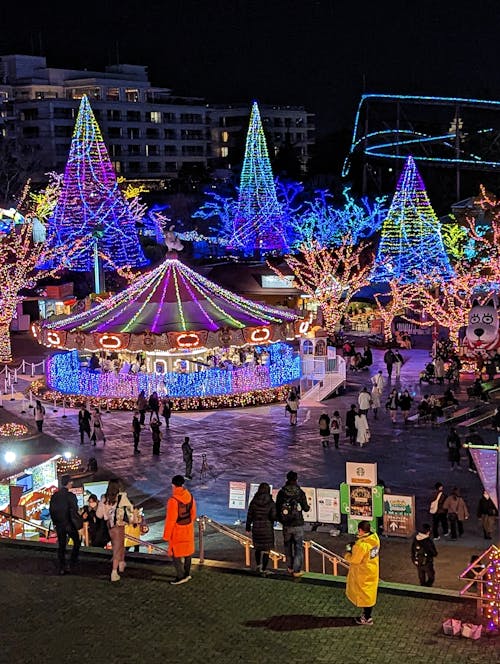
<point x="368" y="435"/>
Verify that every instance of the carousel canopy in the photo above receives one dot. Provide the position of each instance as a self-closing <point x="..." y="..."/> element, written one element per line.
<point x="171" y="299"/>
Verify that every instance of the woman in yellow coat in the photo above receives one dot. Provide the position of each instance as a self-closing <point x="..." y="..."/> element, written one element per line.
<point x="179" y="529"/>
<point x="363" y="575"/>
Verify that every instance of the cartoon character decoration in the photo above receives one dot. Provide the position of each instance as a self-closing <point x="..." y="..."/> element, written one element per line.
<point x="482" y="332"/>
<point x="172" y="241"/>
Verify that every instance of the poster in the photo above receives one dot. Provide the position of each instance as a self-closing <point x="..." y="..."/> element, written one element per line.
<point x="311" y="499"/>
<point x="253" y="490"/>
<point x="45" y="474"/>
<point x="328" y="505"/>
<point x="399" y="515"/>
<point x="237" y="495"/>
<point x="360" y="474"/>
<point x="360" y="502"/>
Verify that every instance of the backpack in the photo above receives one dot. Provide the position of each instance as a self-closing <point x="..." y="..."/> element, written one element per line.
<point x="119" y="516"/>
<point x="184" y="512"/>
<point x="290" y="508"/>
<point x="420" y="555"/>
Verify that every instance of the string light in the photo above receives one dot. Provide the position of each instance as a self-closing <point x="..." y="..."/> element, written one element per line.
<point x="411" y="238"/>
<point x="487" y="245"/>
<point x="491" y="589"/>
<point x="396" y="301"/>
<point x="13" y="430"/>
<point x="91" y="202"/>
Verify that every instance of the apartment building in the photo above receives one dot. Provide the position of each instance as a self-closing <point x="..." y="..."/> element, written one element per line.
<point x="151" y="134"/>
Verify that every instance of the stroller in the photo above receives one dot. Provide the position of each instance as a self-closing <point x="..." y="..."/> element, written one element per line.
<point x="428" y="374"/>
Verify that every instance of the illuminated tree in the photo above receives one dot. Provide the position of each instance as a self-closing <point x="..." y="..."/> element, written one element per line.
<point x="411" y="239"/>
<point x="455" y="240"/>
<point x="331" y="277"/>
<point x="90" y="200"/>
<point x="486" y="238"/>
<point x="389" y="305"/>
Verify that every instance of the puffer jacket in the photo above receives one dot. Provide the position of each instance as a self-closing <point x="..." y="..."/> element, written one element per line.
<point x="260" y="520"/>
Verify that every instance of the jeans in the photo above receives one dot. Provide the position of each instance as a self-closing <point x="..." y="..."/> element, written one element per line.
<point x="63" y="532"/>
<point x="293" y="537"/>
<point x="182" y="566"/>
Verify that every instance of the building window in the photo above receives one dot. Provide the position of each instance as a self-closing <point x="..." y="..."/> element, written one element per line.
<point x="133" y="133"/>
<point x="192" y="134"/>
<point x="132" y="94"/>
<point x="152" y="133"/>
<point x="133" y="116"/>
<point x="61" y="149"/>
<point x="299" y="122"/>
<point x="115" y="150"/>
<point x="114" y="132"/>
<point x="169" y="134"/>
<point x="171" y="167"/>
<point x="278" y="122"/>
<point x="191" y="118"/>
<point x="117" y="165"/>
<point x="63" y="113"/>
<point x="192" y="150"/>
<point x="224" y="152"/>
<point x="169" y="117"/>
<point x="170" y="149"/>
<point x="152" y="150"/>
<point x="113" y="115"/>
<point x="113" y="94"/>
<point x="77" y="93"/>
<point x="154" y="116"/>
<point x="154" y="167"/>
<point x="31" y="132"/>
<point x="134" y="166"/>
<point x="225" y="136"/>
<point x="29" y="114"/>
<point x="134" y="149"/>
<point x="62" y="131"/>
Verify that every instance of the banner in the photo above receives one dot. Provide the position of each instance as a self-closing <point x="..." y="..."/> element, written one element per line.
<point x="237" y="495"/>
<point x="253" y="490"/>
<point x="328" y="505"/>
<point x="399" y="515"/>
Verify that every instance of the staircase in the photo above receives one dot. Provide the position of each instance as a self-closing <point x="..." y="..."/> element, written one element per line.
<point x="321" y="377"/>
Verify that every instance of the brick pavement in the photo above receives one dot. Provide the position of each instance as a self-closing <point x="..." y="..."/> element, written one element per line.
<point x="222" y="617"/>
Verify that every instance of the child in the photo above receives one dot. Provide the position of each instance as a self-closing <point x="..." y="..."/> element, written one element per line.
<point x="324" y="429"/>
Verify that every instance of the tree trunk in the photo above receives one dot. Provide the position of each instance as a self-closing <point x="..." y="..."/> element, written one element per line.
<point x="331" y="317"/>
<point x="5" y="346"/>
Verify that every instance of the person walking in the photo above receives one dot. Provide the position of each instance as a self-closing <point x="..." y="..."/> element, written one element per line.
<point x="437" y="511"/>
<point x="389" y="360"/>
<point x="453" y="445"/>
<point x="457" y="513"/>
<point x="117" y="510"/>
<point x="142" y="406"/>
<point x="39" y="415"/>
<point x="187" y="456"/>
<point x="363" y="574"/>
<point x="136" y="431"/>
<point x="364" y="401"/>
<point x="350" y="424"/>
<point x="97" y="428"/>
<point x="423" y="552"/>
<point x="488" y="514"/>
<point x="84" y="418"/>
<point x="392" y="405"/>
<point x="375" y="398"/>
<point x="362" y="429"/>
<point x="179" y="530"/>
<point x="260" y="522"/>
<point x="324" y="429"/>
<point x="291" y="503"/>
<point x="166" y="410"/>
<point x="398" y="363"/>
<point x="63" y="508"/>
<point x="404" y="403"/>
<point x="335" y="425"/>
<point x="378" y="381"/>
<point x="154" y="425"/>
<point x="292" y="406"/>
<point x="154" y="407"/>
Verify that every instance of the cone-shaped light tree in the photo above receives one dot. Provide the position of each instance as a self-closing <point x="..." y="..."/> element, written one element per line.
<point x="258" y="222"/>
<point x="91" y="205"/>
<point x="411" y="239"/>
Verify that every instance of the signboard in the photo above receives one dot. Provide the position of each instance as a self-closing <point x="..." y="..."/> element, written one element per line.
<point x="360" y="474"/>
<point x="237" y="495"/>
<point x="253" y="490"/>
<point x="328" y="505"/>
<point x="361" y="503"/>
<point x="399" y="515"/>
<point x="311" y="499"/>
<point x="331" y="352"/>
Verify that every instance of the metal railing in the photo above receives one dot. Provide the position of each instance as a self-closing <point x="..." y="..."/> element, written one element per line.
<point x="24" y="523"/>
<point x="326" y="556"/>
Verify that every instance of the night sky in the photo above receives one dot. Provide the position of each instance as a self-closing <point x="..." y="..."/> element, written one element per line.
<point x="314" y="52"/>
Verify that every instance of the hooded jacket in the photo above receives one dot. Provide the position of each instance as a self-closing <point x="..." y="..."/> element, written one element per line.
<point x="260" y="520"/>
<point x="292" y="491"/>
<point x="363" y="575"/>
<point x="180" y="538"/>
<point x="424" y="542"/>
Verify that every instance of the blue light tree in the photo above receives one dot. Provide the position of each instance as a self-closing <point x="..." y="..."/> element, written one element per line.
<point x="91" y="204"/>
<point x="411" y="241"/>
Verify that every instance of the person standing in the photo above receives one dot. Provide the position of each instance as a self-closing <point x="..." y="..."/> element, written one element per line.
<point x="154" y="407"/>
<point x="187" y="456"/>
<point x="350" y="424"/>
<point x="457" y="512"/>
<point x="142" y="406"/>
<point x="154" y="425"/>
<point x="392" y="404"/>
<point x="166" y="410"/>
<point x="291" y="503"/>
<point x="398" y="363"/>
<point x="67" y="521"/>
<point x="324" y="429"/>
<point x="136" y="431"/>
<point x="117" y="510"/>
<point x="378" y="381"/>
<point x="363" y="574"/>
<point x="39" y="415"/>
<point x="487" y="513"/>
<point x="453" y="444"/>
<point x="362" y="429"/>
<point x="423" y="552"/>
<point x="97" y="428"/>
<point x="84" y="418"/>
<point x="179" y="529"/>
<point x="438" y="512"/>
<point x="389" y="360"/>
<point x="260" y="522"/>
<point x="292" y="405"/>
<point x="364" y="401"/>
<point x="405" y="404"/>
<point x="335" y="424"/>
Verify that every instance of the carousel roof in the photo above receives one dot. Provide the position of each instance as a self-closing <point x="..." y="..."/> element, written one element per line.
<point x="171" y="298"/>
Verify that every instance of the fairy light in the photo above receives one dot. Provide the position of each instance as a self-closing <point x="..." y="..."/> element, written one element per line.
<point x="491" y="589"/>
<point x="487" y="245"/>
<point x="91" y="201"/>
<point x="411" y="238"/>
<point x="396" y="301"/>
<point x="258" y="223"/>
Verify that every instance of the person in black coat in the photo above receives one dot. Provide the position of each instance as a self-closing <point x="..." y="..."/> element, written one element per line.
<point x="453" y="444"/>
<point x="260" y="521"/>
<point x="154" y="406"/>
<point x="423" y="552"/>
<point x="84" y="418"/>
<point x="67" y="522"/>
<point x="350" y="424"/>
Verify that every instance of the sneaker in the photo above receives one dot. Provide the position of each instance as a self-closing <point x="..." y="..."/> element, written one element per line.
<point x="267" y="572"/>
<point x="446" y="534"/>
<point x="258" y="569"/>
<point x="177" y="582"/>
<point x="363" y="621"/>
<point x="436" y="539"/>
<point x="298" y="574"/>
<point x="121" y="567"/>
<point x="115" y="576"/>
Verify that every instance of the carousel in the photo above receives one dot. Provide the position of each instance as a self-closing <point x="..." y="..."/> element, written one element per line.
<point x="173" y="332"/>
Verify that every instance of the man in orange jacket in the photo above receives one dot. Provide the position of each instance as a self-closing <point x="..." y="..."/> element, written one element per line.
<point x="179" y="529"/>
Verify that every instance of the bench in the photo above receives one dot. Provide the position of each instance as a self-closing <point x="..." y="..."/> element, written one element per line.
<point x="488" y="388"/>
<point x="460" y="414"/>
<point x="468" y="424"/>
